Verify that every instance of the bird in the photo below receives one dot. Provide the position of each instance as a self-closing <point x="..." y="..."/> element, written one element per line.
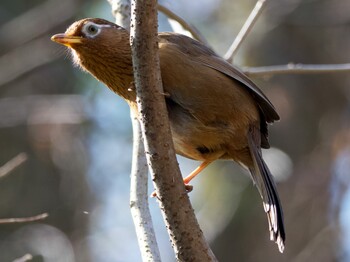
<point x="215" y="111"/>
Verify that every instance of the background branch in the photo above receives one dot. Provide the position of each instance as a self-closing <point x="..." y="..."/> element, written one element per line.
<point x="248" y="25"/>
<point x="23" y="219"/>
<point x="13" y="164"/>
<point x="292" y="68"/>
<point x="26" y="257"/>
<point x="139" y="205"/>
<point x="121" y="12"/>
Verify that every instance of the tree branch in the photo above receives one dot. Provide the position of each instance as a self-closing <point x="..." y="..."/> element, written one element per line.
<point x="139" y="206"/>
<point x="139" y="198"/>
<point x="121" y="12"/>
<point x="190" y="28"/>
<point x="292" y="68"/>
<point x="248" y="25"/>
<point x="12" y="164"/>
<point x="25" y="258"/>
<point x="186" y="236"/>
<point x="23" y="219"/>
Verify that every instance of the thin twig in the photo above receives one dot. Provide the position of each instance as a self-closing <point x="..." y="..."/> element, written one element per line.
<point x="292" y="68"/>
<point x="249" y="23"/>
<point x="13" y="164"/>
<point x="190" y="28"/>
<point x="23" y="219"/>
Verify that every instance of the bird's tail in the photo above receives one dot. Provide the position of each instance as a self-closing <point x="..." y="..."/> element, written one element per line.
<point x="268" y="192"/>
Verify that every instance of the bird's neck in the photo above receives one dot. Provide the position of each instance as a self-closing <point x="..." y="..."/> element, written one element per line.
<point x="115" y="70"/>
<point x="120" y="79"/>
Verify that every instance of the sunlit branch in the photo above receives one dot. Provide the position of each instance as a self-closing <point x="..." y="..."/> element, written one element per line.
<point x="139" y="205"/>
<point x="249" y="23"/>
<point x="292" y="68"/>
<point x="25" y="258"/>
<point x="12" y="164"/>
<point x="121" y="12"/>
<point x="23" y="219"/>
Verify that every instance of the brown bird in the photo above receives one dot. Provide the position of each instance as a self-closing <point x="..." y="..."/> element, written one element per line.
<point x="215" y="111"/>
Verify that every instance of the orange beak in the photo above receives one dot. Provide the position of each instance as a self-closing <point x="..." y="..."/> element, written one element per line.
<point x="66" y="40"/>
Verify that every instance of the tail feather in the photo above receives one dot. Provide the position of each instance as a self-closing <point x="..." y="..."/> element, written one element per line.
<point x="267" y="189"/>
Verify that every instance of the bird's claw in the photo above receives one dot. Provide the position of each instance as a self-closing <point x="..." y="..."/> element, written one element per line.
<point x="188" y="188"/>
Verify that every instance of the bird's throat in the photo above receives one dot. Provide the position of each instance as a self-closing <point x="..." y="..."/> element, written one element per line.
<point x="116" y="74"/>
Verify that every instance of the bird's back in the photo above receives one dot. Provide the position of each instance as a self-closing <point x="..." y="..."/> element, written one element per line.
<point x="210" y="89"/>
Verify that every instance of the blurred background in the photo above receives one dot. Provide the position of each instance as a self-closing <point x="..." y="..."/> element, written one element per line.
<point x="77" y="137"/>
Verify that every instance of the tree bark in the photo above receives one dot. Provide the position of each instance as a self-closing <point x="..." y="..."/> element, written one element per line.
<point x="139" y="206"/>
<point x="186" y="236"/>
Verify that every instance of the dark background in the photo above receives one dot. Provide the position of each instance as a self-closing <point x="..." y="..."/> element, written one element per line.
<point x="77" y="137"/>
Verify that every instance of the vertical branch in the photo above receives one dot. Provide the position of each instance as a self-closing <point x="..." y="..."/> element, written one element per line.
<point x="121" y="12"/>
<point x="186" y="236"/>
<point x="139" y="198"/>
<point x="139" y="206"/>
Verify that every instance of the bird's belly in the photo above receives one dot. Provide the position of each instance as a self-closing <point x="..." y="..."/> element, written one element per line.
<point x="199" y="152"/>
<point x="211" y="140"/>
<point x="197" y="142"/>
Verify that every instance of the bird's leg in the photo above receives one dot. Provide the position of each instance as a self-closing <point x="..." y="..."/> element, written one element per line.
<point x="188" y="179"/>
<point x="194" y="173"/>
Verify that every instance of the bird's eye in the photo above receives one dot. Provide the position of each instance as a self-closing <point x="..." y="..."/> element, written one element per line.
<point x="91" y="30"/>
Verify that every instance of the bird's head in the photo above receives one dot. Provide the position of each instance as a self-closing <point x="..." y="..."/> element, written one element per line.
<point x="101" y="48"/>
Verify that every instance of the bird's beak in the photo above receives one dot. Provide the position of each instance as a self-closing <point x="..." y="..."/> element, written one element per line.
<point x="66" y="40"/>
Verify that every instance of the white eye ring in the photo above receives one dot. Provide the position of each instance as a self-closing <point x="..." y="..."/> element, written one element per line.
<point x="91" y="29"/>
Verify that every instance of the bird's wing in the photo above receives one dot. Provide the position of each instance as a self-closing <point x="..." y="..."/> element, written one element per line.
<point x="199" y="53"/>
